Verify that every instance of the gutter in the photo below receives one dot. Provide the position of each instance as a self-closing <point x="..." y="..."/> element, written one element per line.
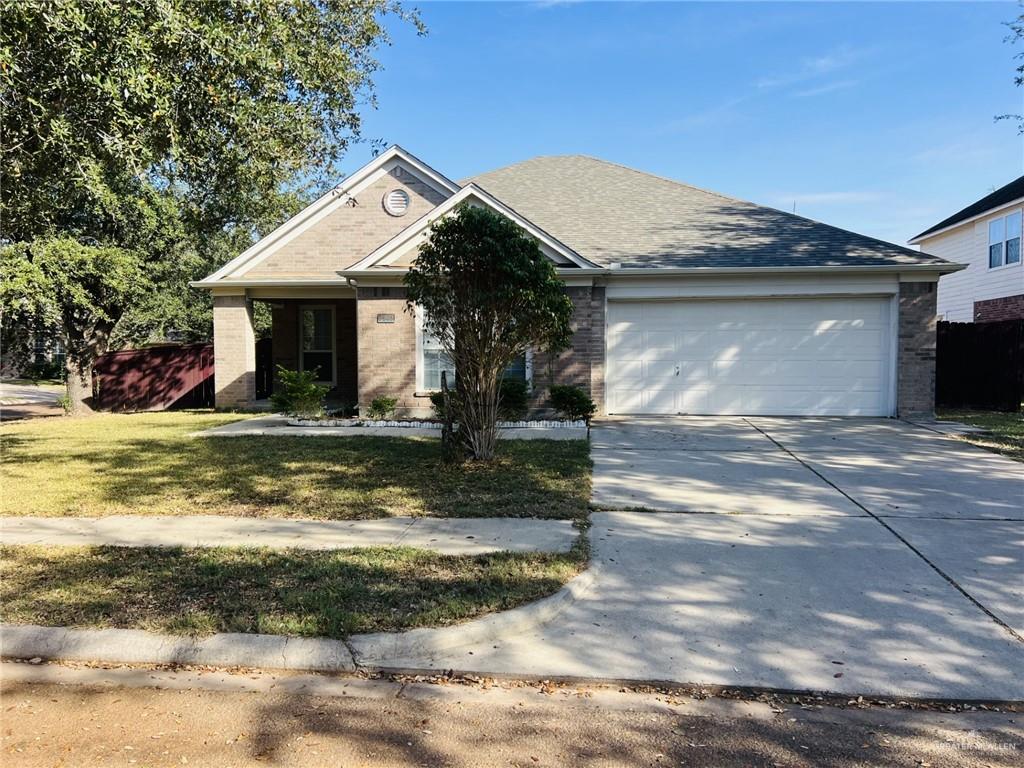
<point x="349" y="277"/>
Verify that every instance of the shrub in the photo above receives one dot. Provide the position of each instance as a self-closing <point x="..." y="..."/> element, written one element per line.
<point x="44" y="371"/>
<point x="572" y="402"/>
<point x="437" y="401"/>
<point x="381" y="407"/>
<point x="515" y="399"/>
<point x="297" y="393"/>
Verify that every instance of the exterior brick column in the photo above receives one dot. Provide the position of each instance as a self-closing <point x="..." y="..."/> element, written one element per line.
<point x="915" y="386"/>
<point x="234" y="352"/>
<point x="387" y="350"/>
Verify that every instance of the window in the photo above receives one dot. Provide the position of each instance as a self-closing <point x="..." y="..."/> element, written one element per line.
<point x="517" y="370"/>
<point x="434" y="360"/>
<point x="1004" y="240"/>
<point x="1012" y="255"/>
<point x="317" y="335"/>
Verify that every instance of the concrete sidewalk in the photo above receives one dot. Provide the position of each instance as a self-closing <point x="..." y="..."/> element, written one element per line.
<point x="277" y="425"/>
<point x="449" y="536"/>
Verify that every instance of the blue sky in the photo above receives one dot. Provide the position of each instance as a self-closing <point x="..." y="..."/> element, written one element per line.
<point x="876" y="117"/>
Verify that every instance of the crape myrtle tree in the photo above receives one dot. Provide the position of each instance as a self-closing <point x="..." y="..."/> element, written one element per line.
<point x="486" y="293"/>
<point x="168" y="132"/>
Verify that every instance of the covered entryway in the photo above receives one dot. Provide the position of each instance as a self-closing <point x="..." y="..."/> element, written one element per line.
<point x="771" y="356"/>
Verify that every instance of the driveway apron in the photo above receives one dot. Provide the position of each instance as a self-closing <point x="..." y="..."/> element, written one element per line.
<point x="811" y="569"/>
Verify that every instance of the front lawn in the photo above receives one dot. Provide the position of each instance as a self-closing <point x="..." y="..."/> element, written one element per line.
<point x="147" y="464"/>
<point x="291" y="592"/>
<point x="1004" y="432"/>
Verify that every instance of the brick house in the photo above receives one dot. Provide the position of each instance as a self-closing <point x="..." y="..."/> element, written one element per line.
<point x="686" y="301"/>
<point x="986" y="237"/>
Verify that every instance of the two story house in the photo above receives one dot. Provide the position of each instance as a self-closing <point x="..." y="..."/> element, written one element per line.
<point x="986" y="236"/>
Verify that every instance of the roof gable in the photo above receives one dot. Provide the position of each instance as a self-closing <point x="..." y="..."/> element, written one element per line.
<point x="386" y="164"/>
<point x="399" y="248"/>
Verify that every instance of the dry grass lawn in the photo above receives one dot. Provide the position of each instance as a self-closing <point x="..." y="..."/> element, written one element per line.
<point x="148" y="464"/>
<point x="288" y="592"/>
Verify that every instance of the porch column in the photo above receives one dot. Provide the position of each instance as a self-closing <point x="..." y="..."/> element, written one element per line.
<point x="234" y="351"/>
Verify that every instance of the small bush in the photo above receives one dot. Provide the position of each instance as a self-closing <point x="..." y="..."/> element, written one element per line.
<point x="381" y="407"/>
<point x="572" y="402"/>
<point x="297" y="393"/>
<point x="515" y="399"/>
<point x="437" y="401"/>
<point x="46" y="370"/>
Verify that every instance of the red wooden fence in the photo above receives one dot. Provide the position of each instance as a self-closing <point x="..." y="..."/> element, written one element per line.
<point x="155" y="378"/>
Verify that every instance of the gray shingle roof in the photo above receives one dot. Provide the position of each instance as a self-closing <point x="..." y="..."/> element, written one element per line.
<point x="609" y="214"/>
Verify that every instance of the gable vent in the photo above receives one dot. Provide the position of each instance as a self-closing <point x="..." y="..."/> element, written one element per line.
<point x="396" y="202"/>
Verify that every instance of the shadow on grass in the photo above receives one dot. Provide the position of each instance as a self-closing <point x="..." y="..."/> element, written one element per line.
<point x="152" y="466"/>
<point x="309" y="594"/>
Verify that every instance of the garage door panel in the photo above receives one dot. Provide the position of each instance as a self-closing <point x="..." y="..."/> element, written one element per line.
<point x="774" y="356"/>
<point x="659" y="343"/>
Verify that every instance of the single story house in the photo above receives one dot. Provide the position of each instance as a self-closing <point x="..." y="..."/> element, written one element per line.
<point x="686" y="301"/>
<point x="986" y="237"/>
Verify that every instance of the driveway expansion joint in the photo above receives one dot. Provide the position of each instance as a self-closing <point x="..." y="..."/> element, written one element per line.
<point x="949" y="579"/>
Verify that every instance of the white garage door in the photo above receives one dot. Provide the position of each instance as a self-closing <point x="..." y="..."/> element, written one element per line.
<point x="819" y="356"/>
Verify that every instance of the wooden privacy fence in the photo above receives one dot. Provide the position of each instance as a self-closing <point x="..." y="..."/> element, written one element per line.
<point x="980" y="365"/>
<point x="155" y="378"/>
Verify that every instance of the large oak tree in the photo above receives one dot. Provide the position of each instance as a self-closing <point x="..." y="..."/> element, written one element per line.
<point x="170" y="131"/>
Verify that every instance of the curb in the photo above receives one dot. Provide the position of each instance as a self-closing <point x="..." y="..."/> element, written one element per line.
<point x="387" y="649"/>
<point x="134" y="646"/>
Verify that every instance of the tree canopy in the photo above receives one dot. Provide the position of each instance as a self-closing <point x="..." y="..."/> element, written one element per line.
<point x="176" y="130"/>
<point x="487" y="293"/>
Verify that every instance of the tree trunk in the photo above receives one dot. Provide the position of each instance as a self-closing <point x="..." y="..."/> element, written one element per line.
<point x="83" y="347"/>
<point x="80" y="401"/>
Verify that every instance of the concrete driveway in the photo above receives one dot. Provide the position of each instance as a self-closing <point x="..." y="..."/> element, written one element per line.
<point x="849" y="555"/>
<point x="25" y="401"/>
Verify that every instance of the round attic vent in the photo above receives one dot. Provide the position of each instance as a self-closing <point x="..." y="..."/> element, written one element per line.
<point x="396" y="202"/>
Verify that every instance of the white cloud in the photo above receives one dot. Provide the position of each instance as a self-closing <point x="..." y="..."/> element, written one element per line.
<point x="819" y="90"/>
<point x="815" y="67"/>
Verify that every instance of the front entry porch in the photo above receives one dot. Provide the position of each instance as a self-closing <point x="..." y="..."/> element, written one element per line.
<point x="307" y="333"/>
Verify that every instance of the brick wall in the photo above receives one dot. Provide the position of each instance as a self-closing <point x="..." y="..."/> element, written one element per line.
<point x="387" y="351"/>
<point x="234" y="350"/>
<point x="582" y="364"/>
<point x="916" y="350"/>
<point x="351" y="232"/>
<point x="286" y="334"/>
<point x="1005" y="308"/>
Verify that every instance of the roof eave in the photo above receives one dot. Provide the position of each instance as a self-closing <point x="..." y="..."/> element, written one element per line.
<point x="929" y="233"/>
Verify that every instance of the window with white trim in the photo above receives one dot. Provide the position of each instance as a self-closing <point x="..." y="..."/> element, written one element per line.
<point x="1004" y="240"/>
<point x="433" y="360"/>
<point x="317" y="342"/>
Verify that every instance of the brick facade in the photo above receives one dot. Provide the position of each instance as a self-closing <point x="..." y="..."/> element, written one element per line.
<point x="234" y="352"/>
<point x="286" y="341"/>
<point x="1005" y="308"/>
<point x="916" y="350"/>
<point x="387" y="350"/>
<point x="349" y="233"/>
<point x="582" y="364"/>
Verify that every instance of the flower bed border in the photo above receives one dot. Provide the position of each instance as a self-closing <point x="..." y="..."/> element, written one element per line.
<point x="424" y="424"/>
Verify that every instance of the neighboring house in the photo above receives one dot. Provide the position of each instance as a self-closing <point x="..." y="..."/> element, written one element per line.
<point x="986" y="236"/>
<point x="686" y="301"/>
